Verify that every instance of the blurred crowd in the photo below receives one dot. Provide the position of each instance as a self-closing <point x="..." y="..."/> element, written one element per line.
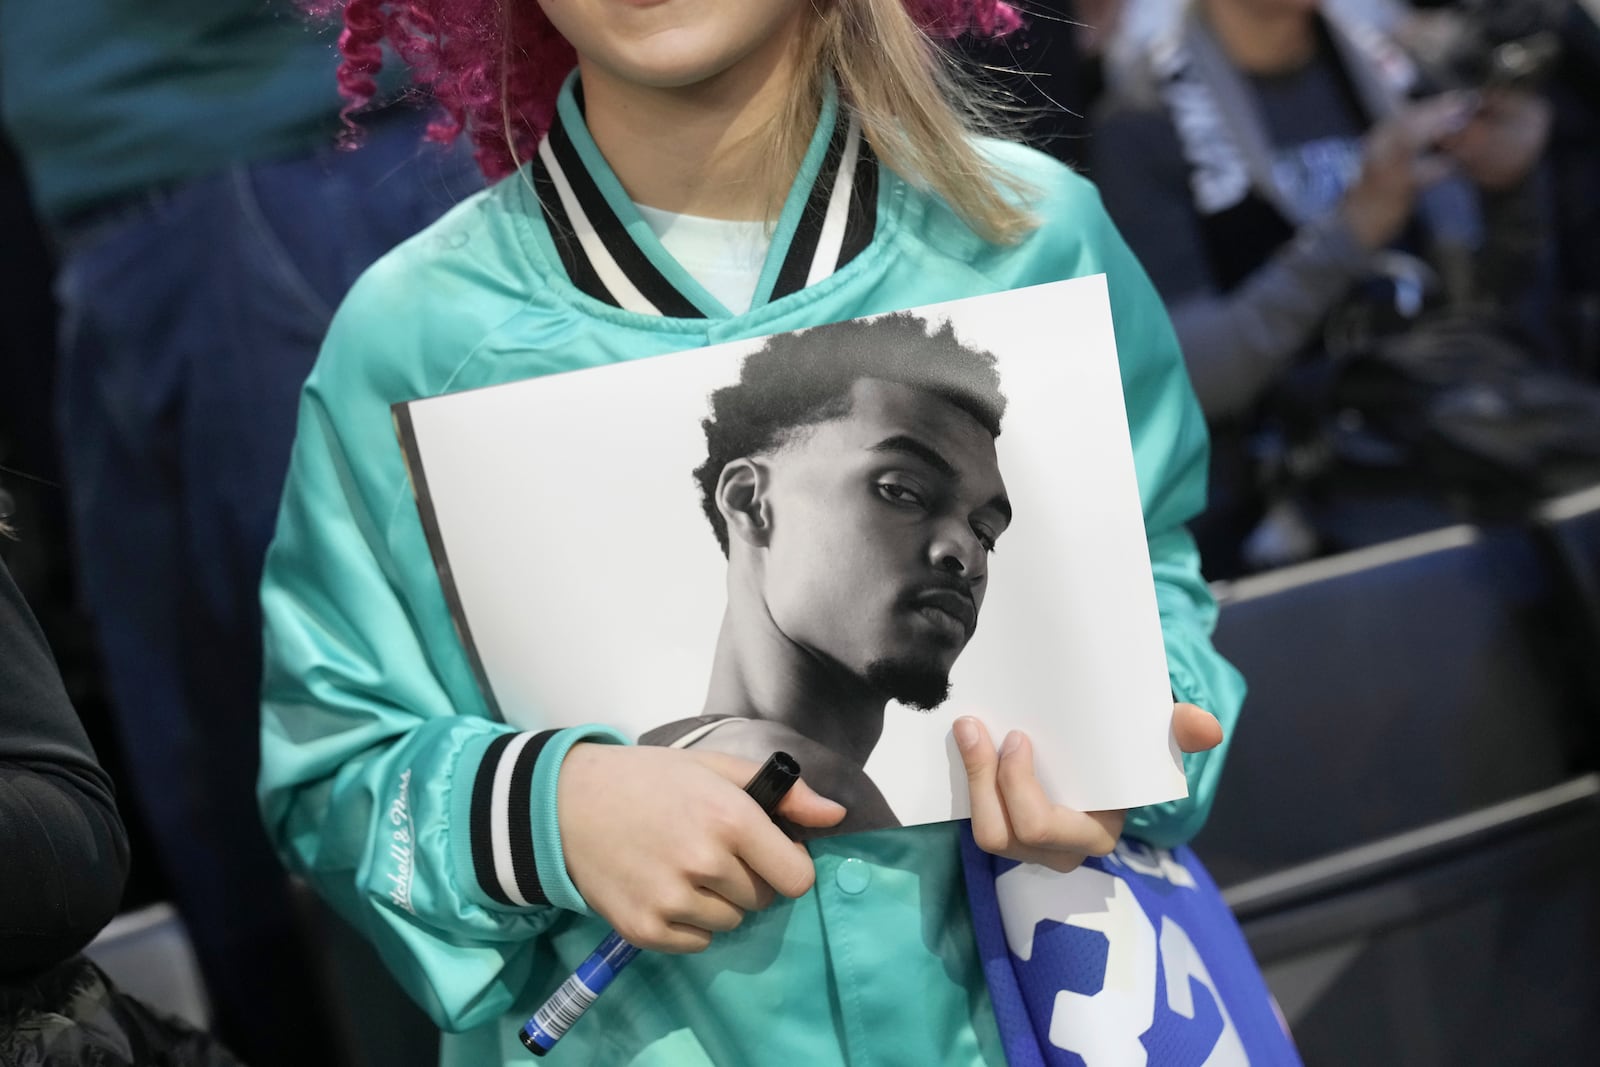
<point x="1376" y="226"/>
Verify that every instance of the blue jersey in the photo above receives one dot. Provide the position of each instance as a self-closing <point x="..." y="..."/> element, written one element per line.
<point x="1132" y="959"/>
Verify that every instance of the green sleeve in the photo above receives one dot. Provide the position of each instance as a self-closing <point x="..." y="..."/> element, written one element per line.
<point x="1170" y="450"/>
<point x="384" y="781"/>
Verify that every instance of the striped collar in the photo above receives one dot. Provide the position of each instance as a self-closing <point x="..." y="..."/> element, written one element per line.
<point x="610" y="253"/>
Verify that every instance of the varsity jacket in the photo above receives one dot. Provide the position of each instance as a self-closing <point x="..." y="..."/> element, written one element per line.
<point x="432" y="826"/>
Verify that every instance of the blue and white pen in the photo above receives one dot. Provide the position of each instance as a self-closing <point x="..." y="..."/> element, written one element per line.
<point x="567" y="1005"/>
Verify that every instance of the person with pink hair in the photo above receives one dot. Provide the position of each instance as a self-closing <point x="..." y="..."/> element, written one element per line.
<point x="678" y="173"/>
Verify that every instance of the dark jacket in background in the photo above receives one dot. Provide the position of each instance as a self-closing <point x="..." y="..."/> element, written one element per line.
<point x="63" y="860"/>
<point x="73" y="1016"/>
<point x="65" y="854"/>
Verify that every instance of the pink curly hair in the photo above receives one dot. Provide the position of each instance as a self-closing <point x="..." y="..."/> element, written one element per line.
<point x="464" y="51"/>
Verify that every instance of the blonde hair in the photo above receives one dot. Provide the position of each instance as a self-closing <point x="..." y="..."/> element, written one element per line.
<point x="496" y="66"/>
<point x="918" y="110"/>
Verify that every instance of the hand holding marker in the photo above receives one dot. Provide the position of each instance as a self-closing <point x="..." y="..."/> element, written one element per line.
<point x="567" y="1005"/>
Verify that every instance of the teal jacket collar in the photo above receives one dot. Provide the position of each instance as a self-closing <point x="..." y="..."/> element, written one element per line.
<point x="609" y="251"/>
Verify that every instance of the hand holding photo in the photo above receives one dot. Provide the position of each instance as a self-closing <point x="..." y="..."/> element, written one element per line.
<point x="594" y="976"/>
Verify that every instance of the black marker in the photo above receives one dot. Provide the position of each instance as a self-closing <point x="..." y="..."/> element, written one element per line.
<point x="595" y="973"/>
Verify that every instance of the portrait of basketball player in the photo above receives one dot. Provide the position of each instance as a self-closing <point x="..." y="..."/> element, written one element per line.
<point x="851" y="481"/>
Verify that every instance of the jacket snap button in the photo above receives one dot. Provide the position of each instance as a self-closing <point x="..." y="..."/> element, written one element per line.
<point x="853" y="876"/>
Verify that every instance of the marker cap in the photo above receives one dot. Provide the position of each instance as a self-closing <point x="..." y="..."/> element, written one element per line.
<point x="773" y="780"/>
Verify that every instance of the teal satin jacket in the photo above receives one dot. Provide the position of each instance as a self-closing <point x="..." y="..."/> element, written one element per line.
<point x="380" y="758"/>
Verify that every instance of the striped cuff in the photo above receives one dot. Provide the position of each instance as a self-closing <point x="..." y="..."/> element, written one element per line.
<point x="500" y="822"/>
<point x="514" y="845"/>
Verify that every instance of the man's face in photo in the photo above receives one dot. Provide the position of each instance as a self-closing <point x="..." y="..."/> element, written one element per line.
<point x="882" y="522"/>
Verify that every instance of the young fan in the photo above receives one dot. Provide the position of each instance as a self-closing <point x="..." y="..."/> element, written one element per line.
<point x="676" y="173"/>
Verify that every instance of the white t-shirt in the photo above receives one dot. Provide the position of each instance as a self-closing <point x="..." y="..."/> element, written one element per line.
<point x="724" y="256"/>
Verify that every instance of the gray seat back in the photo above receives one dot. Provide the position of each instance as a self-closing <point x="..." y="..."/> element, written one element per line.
<point x="1389" y="688"/>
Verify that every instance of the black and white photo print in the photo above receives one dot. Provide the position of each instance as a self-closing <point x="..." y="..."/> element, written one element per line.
<point x="830" y="542"/>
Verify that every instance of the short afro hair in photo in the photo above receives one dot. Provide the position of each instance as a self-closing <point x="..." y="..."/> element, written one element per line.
<point x="802" y="379"/>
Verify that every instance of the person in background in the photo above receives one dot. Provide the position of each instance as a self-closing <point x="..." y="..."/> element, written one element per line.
<point x="66" y="857"/>
<point x="1267" y="164"/>
<point x="183" y="157"/>
<point x="65" y="848"/>
<point x="1574" y="92"/>
<point x="1051" y="73"/>
<point x="1560" y="40"/>
<point x="1138" y="23"/>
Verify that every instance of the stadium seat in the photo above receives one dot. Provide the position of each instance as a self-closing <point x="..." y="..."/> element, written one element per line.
<point x="1577" y="519"/>
<point x="147" y="954"/>
<point x="1389" y="688"/>
<point x="1406" y="826"/>
<point x="1569" y="531"/>
<point x="1466" y="943"/>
